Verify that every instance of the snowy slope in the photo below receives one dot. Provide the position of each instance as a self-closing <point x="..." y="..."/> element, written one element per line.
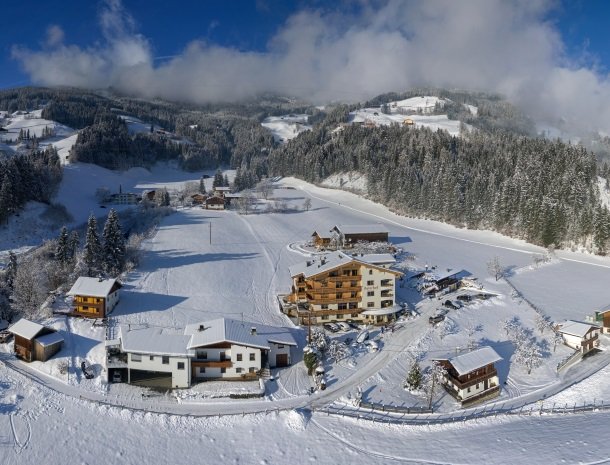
<point x="286" y="127"/>
<point x="34" y="123"/>
<point x="424" y="104"/>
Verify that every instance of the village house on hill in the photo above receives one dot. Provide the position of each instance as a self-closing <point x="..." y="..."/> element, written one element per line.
<point x="340" y="287"/>
<point x="218" y="349"/>
<point x="349" y="235"/>
<point x="34" y="341"/>
<point x="583" y="337"/>
<point x="94" y="297"/>
<point x="472" y="377"/>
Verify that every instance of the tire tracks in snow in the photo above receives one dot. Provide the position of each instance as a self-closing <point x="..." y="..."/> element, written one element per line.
<point x="18" y="444"/>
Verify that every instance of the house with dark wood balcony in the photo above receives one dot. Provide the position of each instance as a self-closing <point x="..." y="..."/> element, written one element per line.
<point x="340" y="287"/>
<point x="235" y="349"/>
<point x="321" y="239"/>
<point x="583" y="337"/>
<point x="472" y="377"/>
<point x="34" y="341"/>
<point x="217" y="349"/>
<point x="94" y="297"/>
<point x="602" y="317"/>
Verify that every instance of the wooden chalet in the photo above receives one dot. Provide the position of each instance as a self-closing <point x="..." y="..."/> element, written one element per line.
<point x="198" y="199"/>
<point x="34" y="341"/>
<point x="221" y="191"/>
<point x="472" y="377"/>
<point x="214" y="203"/>
<point x="94" y="297"/>
<point x="351" y="234"/>
<point x="580" y="336"/>
<point x="321" y="240"/>
<point x="602" y="317"/>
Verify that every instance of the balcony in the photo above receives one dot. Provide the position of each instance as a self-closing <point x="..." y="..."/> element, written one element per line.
<point x="330" y="289"/>
<point x="211" y="364"/>
<point x="474" y="380"/>
<point x="116" y="361"/>
<point x="387" y="283"/>
<point x="342" y="278"/>
<point x="333" y="300"/>
<point x="387" y="294"/>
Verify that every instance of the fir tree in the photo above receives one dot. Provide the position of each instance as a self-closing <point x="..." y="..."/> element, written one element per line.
<point x="114" y="245"/>
<point x="11" y="270"/>
<point x="414" y="378"/>
<point x="62" y="252"/>
<point x="73" y="244"/>
<point x="93" y="249"/>
<point x="218" y="179"/>
<point x="202" y="185"/>
<point x="225" y="181"/>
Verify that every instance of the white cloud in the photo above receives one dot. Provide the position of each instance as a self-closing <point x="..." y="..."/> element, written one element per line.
<point x="504" y="46"/>
<point x="55" y="36"/>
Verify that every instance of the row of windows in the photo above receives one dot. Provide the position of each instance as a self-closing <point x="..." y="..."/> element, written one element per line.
<point x="164" y="360"/>
<point x="338" y="316"/>
<point x="237" y="370"/>
<point x="341" y="306"/>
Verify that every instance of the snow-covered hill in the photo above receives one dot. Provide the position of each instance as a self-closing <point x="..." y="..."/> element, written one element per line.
<point x="286" y="127"/>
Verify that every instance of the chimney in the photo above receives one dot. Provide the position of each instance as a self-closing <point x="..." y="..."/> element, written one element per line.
<point x="253" y="330"/>
<point x="201" y="327"/>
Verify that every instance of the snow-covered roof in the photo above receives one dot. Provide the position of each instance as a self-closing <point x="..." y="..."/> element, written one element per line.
<point x="153" y="341"/>
<point x="576" y="328"/>
<point x="377" y="258"/>
<point x="26" y="329"/>
<point x="471" y="361"/>
<point x="383" y="311"/>
<point x="457" y="273"/>
<point x="50" y="339"/>
<point x="94" y="287"/>
<point x="320" y="264"/>
<point x="361" y="228"/>
<point x="605" y="309"/>
<point x="237" y="332"/>
<point x="222" y="189"/>
<point x="323" y="235"/>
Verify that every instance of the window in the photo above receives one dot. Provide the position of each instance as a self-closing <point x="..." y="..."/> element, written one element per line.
<point x="223" y="370"/>
<point x="324" y="306"/>
<point x="202" y="354"/>
<point x="239" y="357"/>
<point x="339" y="316"/>
<point x="370" y="304"/>
<point x="252" y="357"/>
<point x="477" y="386"/>
<point x="136" y="358"/>
<point x="468" y="390"/>
<point x="280" y="346"/>
<point x="354" y="283"/>
<point x="342" y="306"/>
<point x="201" y="370"/>
<point x="353" y="295"/>
<point x="338" y="285"/>
<point x="370" y="293"/>
<point x="324" y="317"/>
<point x="152" y="358"/>
<point x="180" y="365"/>
<point x="338" y="295"/>
<point x="370" y="283"/>
<point x="238" y="370"/>
<point x="352" y="305"/>
<point x="252" y="370"/>
<point x="354" y="315"/>
<point x="165" y="360"/>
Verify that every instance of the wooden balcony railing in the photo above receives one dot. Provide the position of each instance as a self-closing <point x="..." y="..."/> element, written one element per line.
<point x="211" y="363"/>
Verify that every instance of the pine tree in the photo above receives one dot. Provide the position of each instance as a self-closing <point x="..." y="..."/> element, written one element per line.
<point x="93" y="249"/>
<point x="225" y="181"/>
<point x="218" y="179"/>
<point x="414" y="378"/>
<point x="62" y="252"/>
<point x="73" y="244"/>
<point x="202" y="185"/>
<point x="114" y="245"/>
<point x="11" y="270"/>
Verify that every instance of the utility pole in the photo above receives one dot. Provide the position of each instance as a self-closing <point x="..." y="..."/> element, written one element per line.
<point x="210" y="233"/>
<point x="309" y="327"/>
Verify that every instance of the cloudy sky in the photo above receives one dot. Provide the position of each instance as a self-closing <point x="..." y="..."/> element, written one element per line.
<point x="549" y="57"/>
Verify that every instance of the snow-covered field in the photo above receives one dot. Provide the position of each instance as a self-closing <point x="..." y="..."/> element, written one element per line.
<point x="286" y="127"/>
<point x="416" y="109"/>
<point x="185" y="278"/>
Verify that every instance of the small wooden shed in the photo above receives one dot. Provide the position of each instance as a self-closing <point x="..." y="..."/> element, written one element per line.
<point x="34" y="341"/>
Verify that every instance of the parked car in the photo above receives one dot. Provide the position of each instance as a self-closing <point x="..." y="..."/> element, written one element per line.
<point x="116" y="377"/>
<point x="455" y="304"/>
<point x="436" y="319"/>
<point x="5" y="336"/>
<point x="332" y="327"/>
<point x="372" y="346"/>
<point x="363" y="336"/>
<point x="87" y="370"/>
<point x="353" y="324"/>
<point x="344" y="326"/>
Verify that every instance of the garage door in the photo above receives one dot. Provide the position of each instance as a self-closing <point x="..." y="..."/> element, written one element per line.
<point x="281" y="360"/>
<point x="151" y="379"/>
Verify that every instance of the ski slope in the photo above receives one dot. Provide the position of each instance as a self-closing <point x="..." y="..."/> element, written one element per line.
<point x="286" y="127"/>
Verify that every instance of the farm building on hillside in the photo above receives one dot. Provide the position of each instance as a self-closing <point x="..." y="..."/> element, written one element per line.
<point x="603" y="317"/>
<point x="198" y="199"/>
<point x="94" y="297"/>
<point x="322" y="240"/>
<point x="34" y="341"/>
<point x="351" y="234"/>
<point x="215" y="203"/>
<point x="580" y="336"/>
<point x="221" y="191"/>
<point x="472" y="377"/>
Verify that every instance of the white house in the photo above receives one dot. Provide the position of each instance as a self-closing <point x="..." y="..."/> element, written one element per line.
<point x="226" y="348"/>
<point x="152" y="357"/>
<point x="221" y="348"/>
<point x="579" y="336"/>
